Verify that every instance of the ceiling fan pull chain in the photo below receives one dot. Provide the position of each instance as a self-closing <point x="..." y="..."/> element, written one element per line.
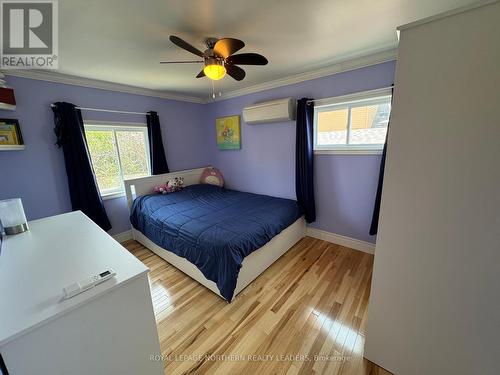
<point x="213" y="90"/>
<point x="218" y="89"/>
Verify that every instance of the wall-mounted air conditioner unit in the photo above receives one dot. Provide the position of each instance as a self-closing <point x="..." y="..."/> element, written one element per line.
<point x="273" y="111"/>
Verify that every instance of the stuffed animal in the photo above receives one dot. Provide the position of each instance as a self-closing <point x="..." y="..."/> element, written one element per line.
<point x="175" y="184"/>
<point x="161" y="189"/>
<point x="171" y="186"/>
<point x="212" y="176"/>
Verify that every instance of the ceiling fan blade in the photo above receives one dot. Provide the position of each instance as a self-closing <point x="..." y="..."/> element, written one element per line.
<point x="181" y="62"/>
<point x="201" y="74"/>
<point x="185" y="45"/>
<point x="247" y="59"/>
<point x="227" y="46"/>
<point x="235" y="71"/>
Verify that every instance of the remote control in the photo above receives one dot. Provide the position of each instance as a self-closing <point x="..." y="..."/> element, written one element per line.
<point x="87" y="283"/>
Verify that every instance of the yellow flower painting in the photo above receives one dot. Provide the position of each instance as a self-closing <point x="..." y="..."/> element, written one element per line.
<point x="228" y="133"/>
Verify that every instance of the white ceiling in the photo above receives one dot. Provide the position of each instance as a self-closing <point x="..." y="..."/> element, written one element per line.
<point x="122" y="41"/>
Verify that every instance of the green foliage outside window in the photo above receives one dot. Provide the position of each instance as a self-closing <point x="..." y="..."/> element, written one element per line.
<point x="117" y="153"/>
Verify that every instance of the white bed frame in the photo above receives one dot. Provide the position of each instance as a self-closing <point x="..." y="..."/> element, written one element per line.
<point x="253" y="265"/>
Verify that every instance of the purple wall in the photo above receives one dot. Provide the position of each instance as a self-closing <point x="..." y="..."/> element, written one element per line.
<point x="37" y="175"/>
<point x="345" y="184"/>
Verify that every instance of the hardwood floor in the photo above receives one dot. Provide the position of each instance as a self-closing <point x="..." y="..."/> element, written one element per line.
<point x="306" y="314"/>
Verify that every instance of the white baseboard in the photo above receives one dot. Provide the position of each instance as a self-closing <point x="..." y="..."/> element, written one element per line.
<point x="352" y="243"/>
<point x="123" y="236"/>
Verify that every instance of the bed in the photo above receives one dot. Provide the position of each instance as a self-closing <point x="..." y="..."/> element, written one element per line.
<point x="222" y="238"/>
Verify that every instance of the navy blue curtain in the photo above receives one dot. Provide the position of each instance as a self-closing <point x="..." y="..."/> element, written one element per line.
<point x="304" y="158"/>
<point x="82" y="182"/>
<point x="1" y="238"/>
<point x="378" y="196"/>
<point x="156" y="150"/>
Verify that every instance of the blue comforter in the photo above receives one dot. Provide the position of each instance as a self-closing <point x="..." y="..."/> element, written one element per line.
<point x="212" y="227"/>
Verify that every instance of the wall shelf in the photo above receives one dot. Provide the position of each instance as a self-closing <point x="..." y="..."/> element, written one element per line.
<point x="12" y="147"/>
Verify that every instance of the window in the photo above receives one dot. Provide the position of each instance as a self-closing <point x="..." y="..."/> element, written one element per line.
<point x="352" y="123"/>
<point x="118" y="152"/>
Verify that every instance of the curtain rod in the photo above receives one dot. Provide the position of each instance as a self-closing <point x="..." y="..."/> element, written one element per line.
<point x="106" y="110"/>
<point x="354" y="93"/>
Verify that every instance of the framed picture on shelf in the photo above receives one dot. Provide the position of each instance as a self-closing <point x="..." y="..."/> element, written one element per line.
<point x="228" y="133"/>
<point x="10" y="132"/>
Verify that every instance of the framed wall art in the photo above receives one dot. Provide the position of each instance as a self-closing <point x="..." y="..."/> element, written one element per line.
<point x="10" y="133"/>
<point x="228" y="133"/>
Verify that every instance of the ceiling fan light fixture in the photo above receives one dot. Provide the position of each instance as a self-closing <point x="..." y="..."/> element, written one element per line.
<point x="215" y="71"/>
<point x="219" y="58"/>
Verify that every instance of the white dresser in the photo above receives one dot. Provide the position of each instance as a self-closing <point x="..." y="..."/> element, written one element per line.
<point x="109" y="329"/>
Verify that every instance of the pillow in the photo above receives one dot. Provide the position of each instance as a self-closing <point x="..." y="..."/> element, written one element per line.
<point x="171" y="186"/>
<point x="212" y="176"/>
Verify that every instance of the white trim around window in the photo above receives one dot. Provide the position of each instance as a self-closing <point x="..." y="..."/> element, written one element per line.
<point x="119" y="126"/>
<point x="350" y="151"/>
<point x="109" y="196"/>
<point x="348" y="102"/>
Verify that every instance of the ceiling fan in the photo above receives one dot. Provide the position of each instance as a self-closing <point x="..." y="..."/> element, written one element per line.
<point x="219" y="57"/>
